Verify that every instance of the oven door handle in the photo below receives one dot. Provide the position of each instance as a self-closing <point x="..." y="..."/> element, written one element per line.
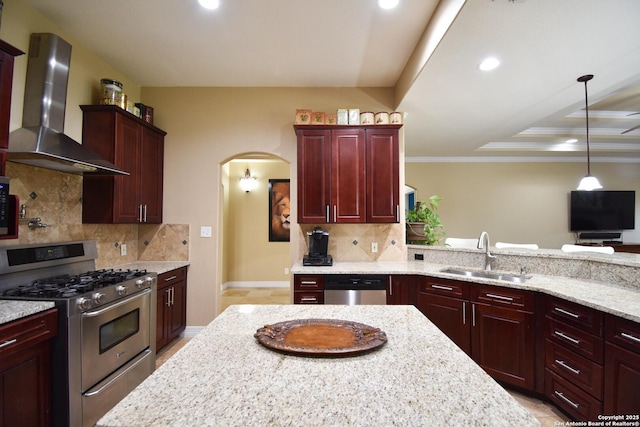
<point x="118" y="304"/>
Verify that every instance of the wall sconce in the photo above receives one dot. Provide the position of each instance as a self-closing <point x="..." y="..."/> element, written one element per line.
<point x="247" y="182"/>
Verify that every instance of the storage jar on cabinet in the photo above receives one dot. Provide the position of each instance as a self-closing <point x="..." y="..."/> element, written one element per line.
<point x="134" y="146"/>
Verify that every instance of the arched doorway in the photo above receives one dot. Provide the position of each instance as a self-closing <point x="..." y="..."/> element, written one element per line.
<point x="254" y="266"/>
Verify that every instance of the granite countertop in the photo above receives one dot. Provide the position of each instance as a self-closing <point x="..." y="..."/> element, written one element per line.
<point x="608" y="298"/>
<point x="155" y="266"/>
<point x="11" y="310"/>
<point x="223" y="376"/>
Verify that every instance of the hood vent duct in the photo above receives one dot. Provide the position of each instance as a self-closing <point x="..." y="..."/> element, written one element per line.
<point x="41" y="140"/>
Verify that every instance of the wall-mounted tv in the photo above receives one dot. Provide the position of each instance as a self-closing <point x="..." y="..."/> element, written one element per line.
<point x="602" y="210"/>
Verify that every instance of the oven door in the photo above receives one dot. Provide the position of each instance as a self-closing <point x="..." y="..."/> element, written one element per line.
<point x="114" y="334"/>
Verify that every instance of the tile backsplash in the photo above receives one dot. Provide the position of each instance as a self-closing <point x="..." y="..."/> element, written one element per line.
<point x="56" y="198"/>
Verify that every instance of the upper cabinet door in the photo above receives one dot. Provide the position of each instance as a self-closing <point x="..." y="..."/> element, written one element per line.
<point x="383" y="182"/>
<point x="348" y="176"/>
<point x="314" y="176"/>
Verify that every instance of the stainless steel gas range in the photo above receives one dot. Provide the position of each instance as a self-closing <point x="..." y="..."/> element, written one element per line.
<point x="105" y="345"/>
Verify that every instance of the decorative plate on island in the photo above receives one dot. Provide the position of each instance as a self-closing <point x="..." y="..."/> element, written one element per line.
<point x="321" y="337"/>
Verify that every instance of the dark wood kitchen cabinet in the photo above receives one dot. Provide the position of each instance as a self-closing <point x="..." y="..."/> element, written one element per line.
<point x="25" y="370"/>
<point x="7" y="55"/>
<point x="574" y="355"/>
<point x="446" y="303"/>
<point x="622" y="367"/>
<point x="402" y="289"/>
<point x="308" y="289"/>
<point x="136" y="147"/>
<point x="348" y="174"/>
<point x="171" y="313"/>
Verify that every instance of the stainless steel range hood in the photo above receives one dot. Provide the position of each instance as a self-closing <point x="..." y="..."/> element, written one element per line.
<point x="41" y="140"/>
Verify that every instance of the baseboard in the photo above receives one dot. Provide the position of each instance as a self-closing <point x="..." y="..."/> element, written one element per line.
<point x="191" y="331"/>
<point x="263" y="284"/>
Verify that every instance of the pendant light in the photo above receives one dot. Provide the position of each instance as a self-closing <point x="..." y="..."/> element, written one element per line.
<point x="589" y="182"/>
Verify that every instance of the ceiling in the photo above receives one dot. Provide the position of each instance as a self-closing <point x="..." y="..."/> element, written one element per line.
<point x="524" y="110"/>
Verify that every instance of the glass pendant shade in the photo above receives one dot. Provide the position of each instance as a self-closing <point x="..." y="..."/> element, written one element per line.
<point x="589" y="183"/>
<point x="247" y="182"/>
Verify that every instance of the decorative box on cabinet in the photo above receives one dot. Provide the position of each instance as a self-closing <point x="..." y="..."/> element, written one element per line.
<point x="171" y="313"/>
<point x="348" y="174"/>
<point x="574" y="355"/>
<point x="136" y="147"/>
<point x="25" y="370"/>
<point x="7" y="54"/>
<point x="622" y="367"/>
<point x="308" y="289"/>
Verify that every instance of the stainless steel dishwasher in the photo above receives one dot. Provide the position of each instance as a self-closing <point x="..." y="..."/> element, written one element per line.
<point x="355" y="289"/>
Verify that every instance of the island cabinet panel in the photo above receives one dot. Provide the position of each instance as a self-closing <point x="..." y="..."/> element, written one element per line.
<point x="25" y="370"/>
<point x="308" y="289"/>
<point x="446" y="303"/>
<point x="503" y="343"/>
<point x="134" y="146"/>
<point x="401" y="289"/>
<point x="622" y="367"/>
<point x="171" y="313"/>
<point x="348" y="174"/>
<point x="574" y="355"/>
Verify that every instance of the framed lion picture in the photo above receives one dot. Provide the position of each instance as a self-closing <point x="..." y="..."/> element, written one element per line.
<point x="279" y="210"/>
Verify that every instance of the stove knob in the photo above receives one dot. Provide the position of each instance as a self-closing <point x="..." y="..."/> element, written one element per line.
<point x="121" y="290"/>
<point x="99" y="298"/>
<point x="149" y="280"/>
<point x="84" y="303"/>
<point x="139" y="283"/>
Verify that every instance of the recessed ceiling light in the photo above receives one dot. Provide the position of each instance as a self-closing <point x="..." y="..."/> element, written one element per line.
<point x="571" y="141"/>
<point x="209" y="4"/>
<point x="489" y="64"/>
<point x="388" y="4"/>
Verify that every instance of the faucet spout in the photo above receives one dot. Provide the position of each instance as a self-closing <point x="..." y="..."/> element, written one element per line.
<point x="484" y="243"/>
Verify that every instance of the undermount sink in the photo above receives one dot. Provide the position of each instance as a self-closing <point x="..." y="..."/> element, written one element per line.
<point x="487" y="275"/>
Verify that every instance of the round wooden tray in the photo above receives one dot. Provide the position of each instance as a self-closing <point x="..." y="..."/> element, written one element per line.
<point x="321" y="337"/>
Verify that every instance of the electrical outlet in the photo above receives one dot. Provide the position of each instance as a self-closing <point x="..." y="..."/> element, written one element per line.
<point x="286" y="270"/>
<point x="205" y="231"/>
<point x="374" y="247"/>
<point x="123" y="249"/>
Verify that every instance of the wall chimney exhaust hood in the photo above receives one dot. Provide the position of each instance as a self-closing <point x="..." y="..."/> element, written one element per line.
<point x="41" y="140"/>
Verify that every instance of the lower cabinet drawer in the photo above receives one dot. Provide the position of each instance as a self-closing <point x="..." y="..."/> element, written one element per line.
<point x="577" y="369"/>
<point x="575" y="402"/>
<point x="308" y="297"/>
<point x="583" y="343"/>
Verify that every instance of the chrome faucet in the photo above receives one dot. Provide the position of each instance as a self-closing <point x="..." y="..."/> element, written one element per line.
<point x="483" y="243"/>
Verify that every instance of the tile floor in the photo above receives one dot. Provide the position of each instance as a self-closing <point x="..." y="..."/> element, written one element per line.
<point x="547" y="414"/>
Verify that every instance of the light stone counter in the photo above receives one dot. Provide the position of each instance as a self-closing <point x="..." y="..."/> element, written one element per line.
<point x="224" y="377"/>
<point x="155" y="266"/>
<point x="607" y="297"/>
<point x="11" y="310"/>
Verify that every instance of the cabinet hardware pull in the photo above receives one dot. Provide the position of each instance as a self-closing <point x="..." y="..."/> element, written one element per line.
<point x="173" y="295"/>
<point x="168" y="279"/>
<point x="327" y="214"/>
<point x="473" y="315"/>
<point x="335" y="213"/>
<point x="444" y="288"/>
<point x="145" y="213"/>
<point x="390" y="287"/>
<point x="567" y="337"/>
<point x="568" y="313"/>
<point x="139" y="213"/>
<point x="397" y="213"/>
<point x="308" y="282"/>
<point x="168" y="291"/>
<point x="500" y="297"/>
<point x="308" y="299"/>
<point x="8" y="343"/>
<point x="564" y="365"/>
<point x="464" y="312"/>
<point x="562" y="396"/>
<point x="631" y="337"/>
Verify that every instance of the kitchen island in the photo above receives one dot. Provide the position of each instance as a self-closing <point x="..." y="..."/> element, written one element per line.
<point x="223" y="376"/>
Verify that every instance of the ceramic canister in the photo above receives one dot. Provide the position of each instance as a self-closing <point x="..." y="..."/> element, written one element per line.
<point x="395" y="118"/>
<point x="382" y="118"/>
<point x="366" y="118"/>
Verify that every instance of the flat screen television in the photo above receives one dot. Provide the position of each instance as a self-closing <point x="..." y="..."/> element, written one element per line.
<point x="602" y="210"/>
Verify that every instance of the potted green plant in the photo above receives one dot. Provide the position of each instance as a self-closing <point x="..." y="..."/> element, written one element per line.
<point x="423" y="222"/>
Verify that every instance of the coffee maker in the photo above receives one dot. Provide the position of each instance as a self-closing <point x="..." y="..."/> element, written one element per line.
<point x="318" y="241"/>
